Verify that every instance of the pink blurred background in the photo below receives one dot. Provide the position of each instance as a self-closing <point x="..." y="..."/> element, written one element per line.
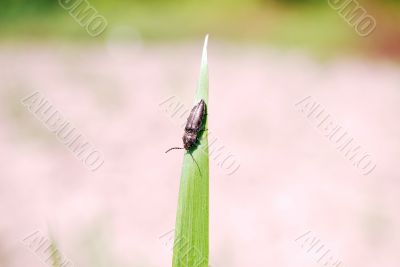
<point x="291" y="179"/>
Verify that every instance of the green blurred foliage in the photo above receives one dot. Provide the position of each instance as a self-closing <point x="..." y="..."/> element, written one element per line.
<point x="21" y="7"/>
<point x="14" y="7"/>
<point x="286" y="23"/>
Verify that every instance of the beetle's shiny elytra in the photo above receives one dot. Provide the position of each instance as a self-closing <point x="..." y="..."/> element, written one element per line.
<point x="193" y="126"/>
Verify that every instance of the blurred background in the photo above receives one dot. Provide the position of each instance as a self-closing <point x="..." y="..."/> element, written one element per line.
<point x="264" y="56"/>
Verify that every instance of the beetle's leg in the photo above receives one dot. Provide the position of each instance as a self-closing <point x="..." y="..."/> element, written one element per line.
<point x="197" y="142"/>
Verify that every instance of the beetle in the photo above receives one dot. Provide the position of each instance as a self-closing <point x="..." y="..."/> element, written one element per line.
<point x="193" y="126"/>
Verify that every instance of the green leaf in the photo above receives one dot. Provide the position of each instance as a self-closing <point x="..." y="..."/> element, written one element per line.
<point x="54" y="253"/>
<point x="191" y="227"/>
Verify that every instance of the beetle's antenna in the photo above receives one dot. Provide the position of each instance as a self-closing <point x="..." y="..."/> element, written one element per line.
<point x="195" y="162"/>
<point x="172" y="148"/>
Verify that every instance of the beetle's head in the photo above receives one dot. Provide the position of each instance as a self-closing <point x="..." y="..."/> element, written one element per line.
<point x="188" y="140"/>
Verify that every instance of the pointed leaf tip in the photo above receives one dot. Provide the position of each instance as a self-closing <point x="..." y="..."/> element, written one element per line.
<point x="204" y="56"/>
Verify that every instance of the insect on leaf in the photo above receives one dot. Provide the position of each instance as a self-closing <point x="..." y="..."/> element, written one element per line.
<point x="191" y="226"/>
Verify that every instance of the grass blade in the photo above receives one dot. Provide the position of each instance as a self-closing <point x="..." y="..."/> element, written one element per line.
<point x="191" y="227"/>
